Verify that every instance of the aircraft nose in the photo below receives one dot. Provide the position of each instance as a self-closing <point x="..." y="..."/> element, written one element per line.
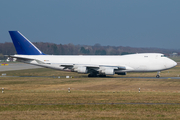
<point x="170" y="63"/>
<point x="174" y="63"/>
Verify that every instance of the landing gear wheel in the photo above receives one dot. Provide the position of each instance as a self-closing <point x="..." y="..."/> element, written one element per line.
<point x="157" y="76"/>
<point x="89" y="75"/>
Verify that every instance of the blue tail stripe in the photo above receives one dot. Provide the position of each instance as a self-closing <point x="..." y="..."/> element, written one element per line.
<point x="23" y="45"/>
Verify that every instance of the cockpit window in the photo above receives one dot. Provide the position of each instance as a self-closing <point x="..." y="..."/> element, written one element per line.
<point x="163" y="56"/>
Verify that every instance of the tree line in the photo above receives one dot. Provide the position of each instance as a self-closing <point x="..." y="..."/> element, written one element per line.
<point x="8" y="48"/>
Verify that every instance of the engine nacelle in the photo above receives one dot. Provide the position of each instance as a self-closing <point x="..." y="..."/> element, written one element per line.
<point x="81" y="69"/>
<point x="107" y="71"/>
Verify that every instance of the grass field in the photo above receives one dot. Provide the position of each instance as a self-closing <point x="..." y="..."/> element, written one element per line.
<point x="115" y="97"/>
<point x="176" y="58"/>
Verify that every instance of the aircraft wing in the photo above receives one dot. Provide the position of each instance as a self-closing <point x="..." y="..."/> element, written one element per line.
<point x="80" y="68"/>
<point x="89" y="68"/>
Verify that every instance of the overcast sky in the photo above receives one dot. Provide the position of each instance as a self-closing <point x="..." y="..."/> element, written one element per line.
<point x="134" y="23"/>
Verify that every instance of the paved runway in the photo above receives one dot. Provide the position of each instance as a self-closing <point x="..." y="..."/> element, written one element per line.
<point x="22" y="66"/>
<point x="17" y="66"/>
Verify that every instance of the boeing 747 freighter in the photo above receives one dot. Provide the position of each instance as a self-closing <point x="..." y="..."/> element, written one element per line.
<point x="94" y="65"/>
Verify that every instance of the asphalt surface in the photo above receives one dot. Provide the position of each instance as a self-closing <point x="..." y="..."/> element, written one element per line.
<point x="17" y="66"/>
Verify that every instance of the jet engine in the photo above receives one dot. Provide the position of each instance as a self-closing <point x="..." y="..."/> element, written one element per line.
<point x="81" y="69"/>
<point x="107" y="71"/>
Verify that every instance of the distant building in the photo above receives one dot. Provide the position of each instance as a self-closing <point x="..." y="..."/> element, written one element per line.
<point x="174" y="54"/>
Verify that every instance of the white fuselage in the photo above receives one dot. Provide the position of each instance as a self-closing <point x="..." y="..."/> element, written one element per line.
<point x="144" y="62"/>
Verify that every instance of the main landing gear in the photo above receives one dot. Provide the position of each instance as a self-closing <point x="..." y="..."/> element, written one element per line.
<point x="96" y="74"/>
<point x="158" y="74"/>
<point x="93" y="74"/>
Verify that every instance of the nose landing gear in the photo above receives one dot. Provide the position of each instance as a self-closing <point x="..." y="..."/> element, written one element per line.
<point x="158" y="74"/>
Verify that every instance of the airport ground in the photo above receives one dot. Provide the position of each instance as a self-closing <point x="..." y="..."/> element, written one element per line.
<point x="43" y="94"/>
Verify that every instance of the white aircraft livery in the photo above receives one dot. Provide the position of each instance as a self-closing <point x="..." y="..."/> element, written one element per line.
<point x="94" y="65"/>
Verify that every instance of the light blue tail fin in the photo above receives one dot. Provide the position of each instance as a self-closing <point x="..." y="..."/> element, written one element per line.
<point x="23" y="45"/>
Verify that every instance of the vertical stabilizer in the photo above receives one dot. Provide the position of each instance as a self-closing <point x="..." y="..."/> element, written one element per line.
<point x="23" y="45"/>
